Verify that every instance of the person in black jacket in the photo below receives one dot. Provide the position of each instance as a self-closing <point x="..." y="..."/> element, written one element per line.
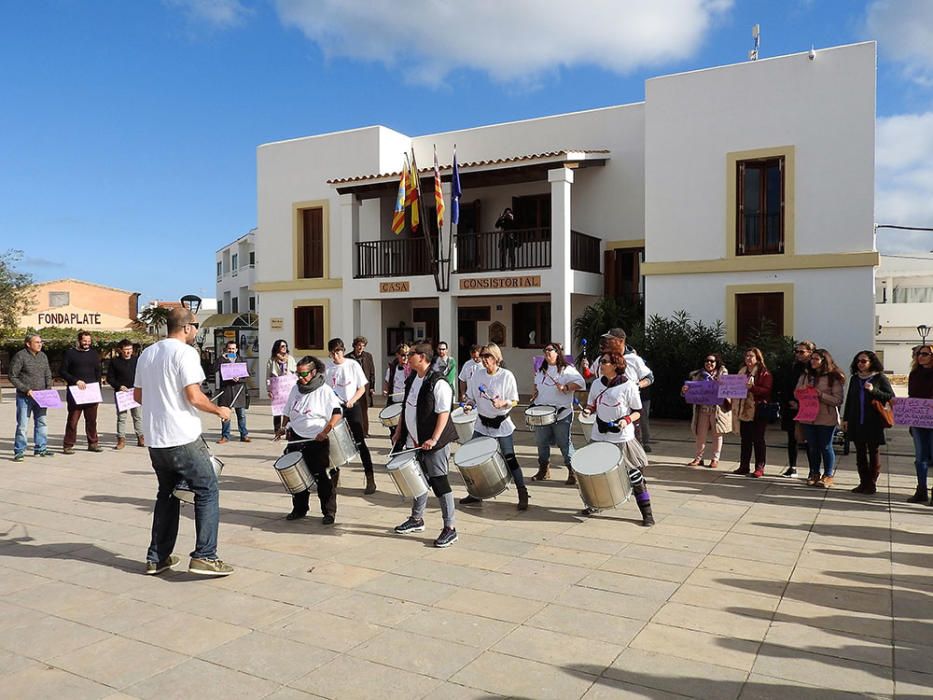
<point x="121" y="375"/>
<point x="233" y="394"/>
<point x="80" y="367"/>
<point x="861" y="420"/>
<point x="802" y="351"/>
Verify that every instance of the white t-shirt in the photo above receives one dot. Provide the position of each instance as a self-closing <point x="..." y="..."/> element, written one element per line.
<point x="345" y="378"/>
<point x="397" y="390"/>
<point x="612" y="405"/>
<point x="469" y="367"/>
<point x="163" y="371"/>
<point x="546" y="386"/>
<point x="309" y="413"/>
<point x="500" y="385"/>
<point x="636" y="368"/>
<point x="443" y="396"/>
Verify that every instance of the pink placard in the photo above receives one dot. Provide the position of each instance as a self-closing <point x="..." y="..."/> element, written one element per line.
<point x="233" y="370"/>
<point x="47" y="398"/>
<point x="733" y="386"/>
<point x="125" y="400"/>
<point x="917" y="413"/>
<point x="280" y="388"/>
<point x="808" y="400"/>
<point x="89" y="394"/>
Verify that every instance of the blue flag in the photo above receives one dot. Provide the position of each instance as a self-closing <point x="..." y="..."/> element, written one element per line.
<point x="455" y="192"/>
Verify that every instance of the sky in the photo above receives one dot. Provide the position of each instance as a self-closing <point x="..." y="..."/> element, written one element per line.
<point x="128" y="129"/>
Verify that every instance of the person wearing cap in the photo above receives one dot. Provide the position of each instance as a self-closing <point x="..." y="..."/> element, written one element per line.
<point x="637" y="371"/>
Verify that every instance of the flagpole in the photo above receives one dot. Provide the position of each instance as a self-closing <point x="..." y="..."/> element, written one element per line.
<point x="450" y="239"/>
<point x="427" y="238"/>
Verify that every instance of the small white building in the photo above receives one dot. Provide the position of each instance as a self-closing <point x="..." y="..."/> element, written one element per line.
<point x="903" y="301"/>
<point x="236" y="275"/>
<point x="739" y="193"/>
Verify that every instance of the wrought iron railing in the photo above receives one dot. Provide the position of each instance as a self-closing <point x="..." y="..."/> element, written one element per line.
<point x="584" y="252"/>
<point x="521" y="249"/>
<point x="398" y="257"/>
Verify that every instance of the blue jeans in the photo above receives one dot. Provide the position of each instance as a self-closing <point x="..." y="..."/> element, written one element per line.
<point x="191" y="463"/>
<point x="24" y="408"/>
<point x="820" y="448"/>
<point x="507" y="445"/>
<point x="923" y="453"/>
<point x="240" y="424"/>
<point x="554" y="434"/>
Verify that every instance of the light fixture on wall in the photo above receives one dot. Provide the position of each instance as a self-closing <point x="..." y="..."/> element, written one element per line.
<point x="923" y="330"/>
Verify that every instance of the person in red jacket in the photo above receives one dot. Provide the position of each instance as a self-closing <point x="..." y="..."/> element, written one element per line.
<point x="749" y="416"/>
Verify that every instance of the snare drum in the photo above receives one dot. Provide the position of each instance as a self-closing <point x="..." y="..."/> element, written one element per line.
<point x="183" y="491"/>
<point x="294" y="473"/>
<point x="587" y="422"/>
<point x="538" y="416"/>
<point x="406" y="472"/>
<point x="482" y="467"/>
<point x="601" y="475"/>
<point x="463" y="421"/>
<point x="391" y="415"/>
<point x="342" y="448"/>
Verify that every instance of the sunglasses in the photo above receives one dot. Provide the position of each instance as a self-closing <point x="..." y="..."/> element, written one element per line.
<point x="193" y="325"/>
<point x="710" y="359"/>
<point x="304" y="374"/>
<point x="925" y="353"/>
<point x="550" y="349"/>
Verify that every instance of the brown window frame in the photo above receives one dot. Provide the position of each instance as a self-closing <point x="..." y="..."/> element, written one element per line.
<point x="761" y="300"/>
<point x="309" y="327"/>
<point x="311" y="262"/>
<point x="541" y="311"/>
<point x="761" y="247"/>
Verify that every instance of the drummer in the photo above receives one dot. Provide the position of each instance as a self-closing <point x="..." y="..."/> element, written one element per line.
<point x="349" y="382"/>
<point x="615" y="401"/>
<point x="393" y="386"/>
<point x="311" y="411"/>
<point x="426" y="424"/>
<point x="469" y="367"/>
<point x="555" y="383"/>
<point x="494" y="393"/>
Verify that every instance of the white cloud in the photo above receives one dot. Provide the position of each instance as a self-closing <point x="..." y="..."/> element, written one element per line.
<point x="514" y="40"/>
<point x="221" y="14"/>
<point x="904" y="180"/>
<point x="904" y="30"/>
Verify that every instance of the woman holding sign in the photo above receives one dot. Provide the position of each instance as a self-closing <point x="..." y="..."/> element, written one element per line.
<point x="920" y="386"/>
<point x="749" y="418"/>
<point x="280" y="364"/>
<point x="715" y="418"/>
<point x="861" y="420"/>
<point x="819" y="395"/>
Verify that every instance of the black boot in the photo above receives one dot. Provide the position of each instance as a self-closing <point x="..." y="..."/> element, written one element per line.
<point x="522" y="497"/>
<point x="647" y="519"/>
<point x="920" y="495"/>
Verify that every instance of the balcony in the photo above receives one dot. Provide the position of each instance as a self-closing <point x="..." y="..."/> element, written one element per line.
<point x="398" y="257"/>
<point x="584" y="252"/>
<point x="521" y="249"/>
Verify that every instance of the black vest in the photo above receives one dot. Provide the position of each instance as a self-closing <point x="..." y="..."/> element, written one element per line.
<point x="425" y="416"/>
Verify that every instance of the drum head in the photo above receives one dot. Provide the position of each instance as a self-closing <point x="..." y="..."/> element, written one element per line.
<point x="539" y="410"/>
<point x="391" y="411"/>
<point x="287" y="460"/>
<point x="596" y="458"/>
<point x="458" y="415"/>
<point x="399" y="461"/>
<point x="476" y="451"/>
<point x="586" y="420"/>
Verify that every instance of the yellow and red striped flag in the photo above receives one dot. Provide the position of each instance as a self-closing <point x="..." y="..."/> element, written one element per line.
<point x="412" y="196"/>
<point x="438" y="194"/>
<point x="398" y="218"/>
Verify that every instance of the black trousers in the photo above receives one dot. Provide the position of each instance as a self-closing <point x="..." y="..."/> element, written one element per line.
<point x="316" y="457"/>
<point x="354" y="418"/>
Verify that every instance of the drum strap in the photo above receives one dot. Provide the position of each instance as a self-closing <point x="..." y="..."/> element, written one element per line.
<point x="440" y="485"/>
<point x="493" y="422"/>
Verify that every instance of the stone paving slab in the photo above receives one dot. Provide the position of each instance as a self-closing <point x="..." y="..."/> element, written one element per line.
<point x="744" y="589"/>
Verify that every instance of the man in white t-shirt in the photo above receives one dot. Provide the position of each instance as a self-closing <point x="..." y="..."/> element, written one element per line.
<point x="168" y="385"/>
<point x="426" y="424"/>
<point x="346" y="378"/>
<point x="470" y="366"/>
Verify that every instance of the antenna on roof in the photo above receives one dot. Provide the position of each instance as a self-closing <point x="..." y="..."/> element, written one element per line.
<point x="756" y="35"/>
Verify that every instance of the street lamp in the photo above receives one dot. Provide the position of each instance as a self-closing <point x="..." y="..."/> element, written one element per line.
<point x="192" y="302"/>
<point x="924" y="330"/>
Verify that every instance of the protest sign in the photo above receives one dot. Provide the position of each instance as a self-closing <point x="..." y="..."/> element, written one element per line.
<point x="125" y="400"/>
<point x="704" y="393"/>
<point x="280" y="388"/>
<point x="46" y="398"/>
<point x="733" y="386"/>
<point x="917" y="413"/>
<point x="233" y="370"/>
<point x="89" y="394"/>
<point x="808" y="402"/>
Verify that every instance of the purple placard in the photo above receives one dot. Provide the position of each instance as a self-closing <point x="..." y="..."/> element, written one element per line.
<point x="808" y="402"/>
<point x="917" y="413"/>
<point x="88" y="395"/>
<point x="125" y="400"/>
<point x="47" y="398"/>
<point x="733" y="386"/>
<point x="538" y="360"/>
<point x="703" y="393"/>
<point x="233" y="370"/>
<point x="280" y="388"/>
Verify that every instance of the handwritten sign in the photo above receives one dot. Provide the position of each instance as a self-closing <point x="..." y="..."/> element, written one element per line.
<point x="914" y="412"/>
<point x="125" y="400"/>
<point x="89" y="394"/>
<point x="703" y="393"/>
<point x="733" y="386"/>
<point x="280" y="388"/>
<point x="808" y="401"/>
<point x="46" y="398"/>
<point x="233" y="370"/>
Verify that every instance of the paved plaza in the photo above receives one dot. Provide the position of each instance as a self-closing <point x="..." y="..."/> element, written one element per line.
<point x="744" y="589"/>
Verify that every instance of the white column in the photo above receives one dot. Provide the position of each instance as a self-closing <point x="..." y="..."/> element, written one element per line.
<point x="447" y="320"/>
<point x="342" y="242"/>
<point x="561" y="180"/>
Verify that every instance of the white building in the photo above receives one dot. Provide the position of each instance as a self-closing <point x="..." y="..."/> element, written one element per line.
<point x="660" y="197"/>
<point x="236" y="275"/>
<point x="903" y="301"/>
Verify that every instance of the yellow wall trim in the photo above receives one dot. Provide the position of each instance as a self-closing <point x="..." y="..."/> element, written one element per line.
<point x="733" y="289"/>
<point x="732" y="160"/>
<point x="297" y="242"/>
<point x="764" y="263"/>
<point x="298" y="285"/>
<point x="298" y="352"/>
<point x="632" y="243"/>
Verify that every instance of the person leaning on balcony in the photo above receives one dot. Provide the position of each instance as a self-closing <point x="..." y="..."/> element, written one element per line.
<point x="861" y="421"/>
<point x="280" y="364"/>
<point x="508" y="239"/>
<point x="365" y="361"/>
<point x="749" y="418"/>
<point x="713" y="418"/>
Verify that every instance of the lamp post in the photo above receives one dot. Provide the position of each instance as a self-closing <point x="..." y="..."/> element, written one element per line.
<point x="924" y="330"/>
<point x="192" y="302"/>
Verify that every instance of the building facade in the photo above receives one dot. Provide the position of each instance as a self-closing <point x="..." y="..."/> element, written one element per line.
<point x="741" y="193"/>
<point x="903" y="303"/>
<point x="236" y="274"/>
<point x="71" y="303"/>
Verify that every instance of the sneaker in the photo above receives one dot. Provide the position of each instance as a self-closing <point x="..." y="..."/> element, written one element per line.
<point x="470" y="500"/>
<point x="19" y="458"/>
<point x="45" y="453"/>
<point x="757" y="474"/>
<point x="296" y="515"/>
<point x="209" y="567"/>
<point x="410" y="525"/>
<point x="223" y="441"/>
<point x="68" y="451"/>
<point x="813" y="479"/>
<point x="789" y="473"/>
<point x="327" y="520"/>
<point x="647" y="448"/>
<point x="95" y="448"/>
<point x="741" y="470"/>
<point x="447" y="537"/>
<point x="153" y="568"/>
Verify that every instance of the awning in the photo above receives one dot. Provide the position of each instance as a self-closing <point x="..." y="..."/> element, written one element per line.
<point x="244" y="320"/>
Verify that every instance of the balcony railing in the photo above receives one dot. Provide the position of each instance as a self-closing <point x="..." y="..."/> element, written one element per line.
<point x="584" y="252"/>
<point x="521" y="249"/>
<point x="400" y="257"/>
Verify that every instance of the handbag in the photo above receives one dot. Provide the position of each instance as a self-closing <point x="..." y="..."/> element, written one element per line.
<point x="885" y="412"/>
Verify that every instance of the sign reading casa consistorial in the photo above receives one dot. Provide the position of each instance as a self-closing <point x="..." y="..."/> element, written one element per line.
<point x="521" y="282"/>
